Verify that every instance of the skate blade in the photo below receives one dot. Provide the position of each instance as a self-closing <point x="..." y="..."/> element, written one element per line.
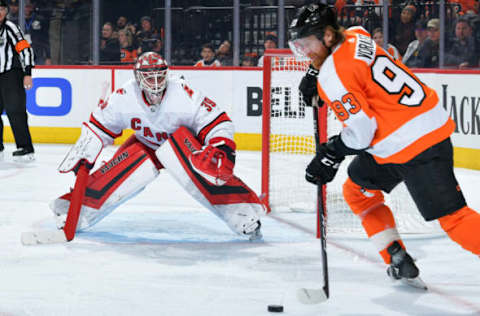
<point x="24" y="159"/>
<point x="256" y="236"/>
<point x="416" y="283"/>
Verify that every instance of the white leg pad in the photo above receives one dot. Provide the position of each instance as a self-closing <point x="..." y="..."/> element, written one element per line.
<point x="234" y="203"/>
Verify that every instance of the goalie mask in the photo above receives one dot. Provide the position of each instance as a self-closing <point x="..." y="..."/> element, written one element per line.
<point x="310" y="20"/>
<point x="151" y="75"/>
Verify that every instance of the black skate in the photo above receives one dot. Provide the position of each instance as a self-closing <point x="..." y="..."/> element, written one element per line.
<point x="23" y="155"/>
<point x="403" y="267"/>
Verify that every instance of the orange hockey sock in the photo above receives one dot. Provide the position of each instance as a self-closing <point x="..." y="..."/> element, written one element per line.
<point x="380" y="227"/>
<point x="462" y="227"/>
<point x="377" y="218"/>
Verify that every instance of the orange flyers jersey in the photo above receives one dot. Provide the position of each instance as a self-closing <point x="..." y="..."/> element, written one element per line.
<point x="201" y="63"/>
<point x="383" y="106"/>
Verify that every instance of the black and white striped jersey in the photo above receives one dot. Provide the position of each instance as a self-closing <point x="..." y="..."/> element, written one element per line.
<point x="13" y="45"/>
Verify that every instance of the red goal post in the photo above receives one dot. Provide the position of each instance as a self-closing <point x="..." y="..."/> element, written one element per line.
<point x="287" y="105"/>
<point x="288" y="145"/>
<point x="273" y="61"/>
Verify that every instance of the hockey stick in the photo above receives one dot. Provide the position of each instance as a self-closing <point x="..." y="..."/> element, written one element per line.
<point x="68" y="231"/>
<point x="314" y="296"/>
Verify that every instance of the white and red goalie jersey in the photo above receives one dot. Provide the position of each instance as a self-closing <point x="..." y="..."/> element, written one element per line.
<point x="180" y="106"/>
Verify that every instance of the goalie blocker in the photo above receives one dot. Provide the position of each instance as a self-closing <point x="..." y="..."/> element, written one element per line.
<point x="134" y="166"/>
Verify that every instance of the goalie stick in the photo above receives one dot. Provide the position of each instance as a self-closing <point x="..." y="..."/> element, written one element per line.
<point x="314" y="296"/>
<point x="68" y="231"/>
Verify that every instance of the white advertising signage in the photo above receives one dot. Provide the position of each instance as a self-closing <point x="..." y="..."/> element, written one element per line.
<point x="460" y="96"/>
<point x="64" y="97"/>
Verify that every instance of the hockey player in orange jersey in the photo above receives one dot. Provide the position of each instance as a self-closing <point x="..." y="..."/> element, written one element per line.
<point x="395" y="126"/>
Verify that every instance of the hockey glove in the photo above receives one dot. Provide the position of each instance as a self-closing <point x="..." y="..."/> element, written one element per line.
<point x="324" y="166"/>
<point x="216" y="161"/>
<point x="308" y="85"/>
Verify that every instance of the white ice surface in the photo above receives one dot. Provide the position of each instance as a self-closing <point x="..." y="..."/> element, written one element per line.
<point x="162" y="254"/>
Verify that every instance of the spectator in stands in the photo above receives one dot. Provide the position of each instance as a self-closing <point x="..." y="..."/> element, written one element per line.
<point x="377" y="36"/>
<point x="152" y="44"/>
<point x="13" y="11"/>
<point x="467" y="6"/>
<point x="37" y="34"/>
<point x="474" y="20"/>
<point x="128" y="52"/>
<point x="412" y="58"/>
<point x="132" y="28"/>
<point x="270" y="42"/>
<point x="462" y="52"/>
<point x="121" y="23"/>
<point x="429" y="50"/>
<point x="476" y="7"/>
<point x="248" y="60"/>
<point x="146" y="35"/>
<point x="109" y="46"/>
<point x="157" y="44"/>
<point x="224" y="53"/>
<point x="146" y="26"/>
<point x="208" y="57"/>
<point x="404" y="30"/>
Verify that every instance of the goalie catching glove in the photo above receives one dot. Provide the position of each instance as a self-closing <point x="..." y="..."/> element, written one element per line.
<point x="216" y="161"/>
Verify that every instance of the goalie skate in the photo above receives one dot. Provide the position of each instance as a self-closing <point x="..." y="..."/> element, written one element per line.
<point x="255" y="234"/>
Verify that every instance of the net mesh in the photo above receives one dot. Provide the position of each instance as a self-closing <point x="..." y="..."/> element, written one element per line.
<point x="292" y="146"/>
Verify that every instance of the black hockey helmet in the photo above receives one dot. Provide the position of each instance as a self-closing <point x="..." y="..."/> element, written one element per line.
<point x="3" y="3"/>
<point x="311" y="20"/>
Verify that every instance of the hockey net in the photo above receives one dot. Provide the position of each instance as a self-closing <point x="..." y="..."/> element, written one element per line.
<point x="288" y="145"/>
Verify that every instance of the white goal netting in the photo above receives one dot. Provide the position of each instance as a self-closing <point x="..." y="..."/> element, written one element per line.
<point x="292" y="146"/>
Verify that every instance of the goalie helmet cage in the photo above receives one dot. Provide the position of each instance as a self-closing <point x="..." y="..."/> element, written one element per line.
<point x="288" y="145"/>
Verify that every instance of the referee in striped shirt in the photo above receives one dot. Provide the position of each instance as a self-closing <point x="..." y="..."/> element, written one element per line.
<point x="16" y="63"/>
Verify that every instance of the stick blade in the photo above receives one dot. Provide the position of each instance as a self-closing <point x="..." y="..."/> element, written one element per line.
<point x="311" y="296"/>
<point x="43" y="237"/>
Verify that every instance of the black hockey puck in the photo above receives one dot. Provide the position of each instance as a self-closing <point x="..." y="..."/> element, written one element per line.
<point x="275" y="308"/>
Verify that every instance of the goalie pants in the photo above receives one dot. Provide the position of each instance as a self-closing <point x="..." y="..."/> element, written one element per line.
<point x="431" y="182"/>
